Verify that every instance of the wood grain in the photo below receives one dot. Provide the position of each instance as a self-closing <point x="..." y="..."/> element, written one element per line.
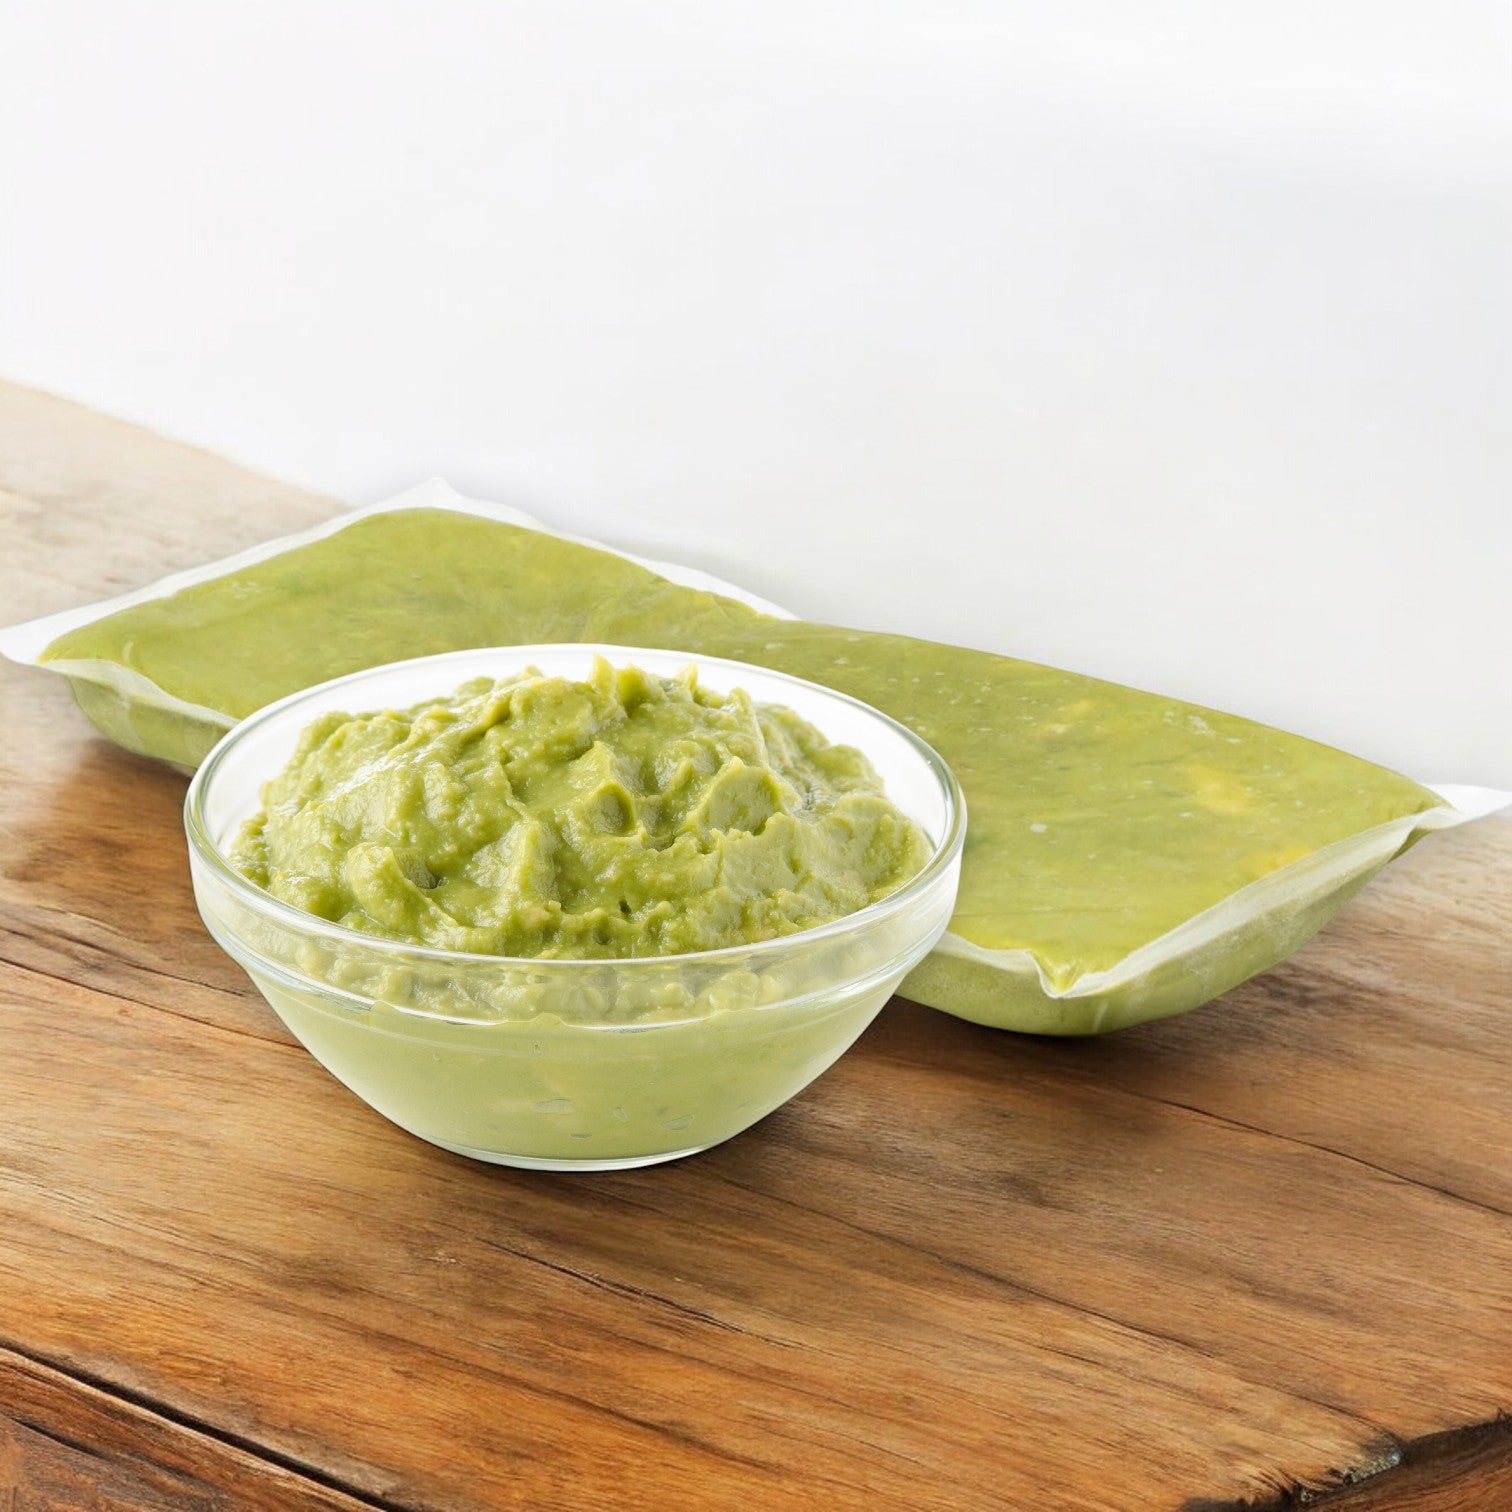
<point x="1257" y="1248"/>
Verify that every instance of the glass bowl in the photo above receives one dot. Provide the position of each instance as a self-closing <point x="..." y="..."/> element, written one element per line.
<point x="562" y="1064"/>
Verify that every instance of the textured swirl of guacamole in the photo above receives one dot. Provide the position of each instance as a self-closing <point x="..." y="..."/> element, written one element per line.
<point x="626" y="815"/>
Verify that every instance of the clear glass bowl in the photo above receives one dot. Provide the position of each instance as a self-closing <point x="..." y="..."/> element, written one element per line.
<point x="583" y="1065"/>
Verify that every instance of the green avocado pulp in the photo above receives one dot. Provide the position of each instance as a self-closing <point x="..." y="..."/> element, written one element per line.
<point x="1101" y="817"/>
<point x="626" y="815"/>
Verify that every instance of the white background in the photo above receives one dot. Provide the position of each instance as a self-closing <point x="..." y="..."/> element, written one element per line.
<point x="1171" y="342"/>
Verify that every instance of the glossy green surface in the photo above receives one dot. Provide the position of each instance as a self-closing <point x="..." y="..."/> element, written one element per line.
<point x="624" y="815"/>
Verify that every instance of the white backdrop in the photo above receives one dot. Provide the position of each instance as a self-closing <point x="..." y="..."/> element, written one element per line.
<point x="1170" y="342"/>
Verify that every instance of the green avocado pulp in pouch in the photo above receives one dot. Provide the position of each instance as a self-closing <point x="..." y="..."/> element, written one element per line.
<point x="1100" y="818"/>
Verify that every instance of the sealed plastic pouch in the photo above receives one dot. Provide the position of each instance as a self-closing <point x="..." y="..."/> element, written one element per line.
<point x="1129" y="856"/>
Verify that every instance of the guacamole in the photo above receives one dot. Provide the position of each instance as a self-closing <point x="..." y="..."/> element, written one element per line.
<point x="625" y="815"/>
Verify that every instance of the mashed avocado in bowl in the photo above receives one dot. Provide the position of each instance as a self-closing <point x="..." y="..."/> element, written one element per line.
<point x="574" y="906"/>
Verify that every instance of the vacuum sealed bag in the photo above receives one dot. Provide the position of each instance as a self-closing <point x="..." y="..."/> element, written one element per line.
<point x="1128" y="856"/>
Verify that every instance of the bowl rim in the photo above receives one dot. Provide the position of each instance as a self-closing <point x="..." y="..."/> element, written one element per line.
<point x="206" y="850"/>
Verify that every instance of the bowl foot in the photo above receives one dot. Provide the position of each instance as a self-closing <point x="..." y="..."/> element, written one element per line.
<point x="536" y="1163"/>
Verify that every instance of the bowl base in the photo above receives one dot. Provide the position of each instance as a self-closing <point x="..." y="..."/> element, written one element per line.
<point x="536" y="1163"/>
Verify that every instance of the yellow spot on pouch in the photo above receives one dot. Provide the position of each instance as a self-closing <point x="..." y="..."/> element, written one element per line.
<point x="1217" y="792"/>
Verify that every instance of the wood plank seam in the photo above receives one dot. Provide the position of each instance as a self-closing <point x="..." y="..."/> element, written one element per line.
<point x="31" y="911"/>
<point x="188" y="1422"/>
<point x="31" y="969"/>
<point x="1322" y="1149"/>
<point x="1403" y="1484"/>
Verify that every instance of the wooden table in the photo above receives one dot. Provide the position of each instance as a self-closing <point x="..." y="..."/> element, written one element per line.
<point x="1264" y="1247"/>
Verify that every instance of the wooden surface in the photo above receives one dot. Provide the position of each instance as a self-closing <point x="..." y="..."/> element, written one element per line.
<point x="1261" y="1248"/>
